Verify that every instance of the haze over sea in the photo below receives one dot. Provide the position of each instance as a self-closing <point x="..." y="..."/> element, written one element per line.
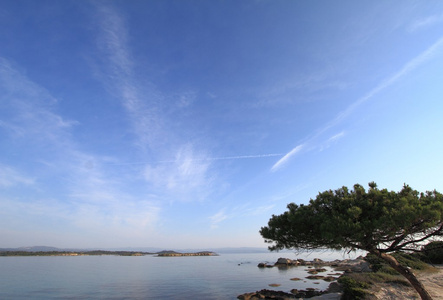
<point x="150" y="277"/>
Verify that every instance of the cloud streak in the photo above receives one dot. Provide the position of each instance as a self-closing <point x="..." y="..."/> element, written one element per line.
<point x="10" y="177"/>
<point x="218" y="218"/>
<point x="83" y="195"/>
<point x="189" y="172"/>
<point x="203" y="159"/>
<point x="404" y="71"/>
<point x="426" y="22"/>
<point x="120" y="78"/>
<point x="285" y="159"/>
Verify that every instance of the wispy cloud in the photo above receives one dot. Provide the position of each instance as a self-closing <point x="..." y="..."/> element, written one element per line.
<point x="300" y="88"/>
<point x="238" y="211"/>
<point x="186" y="177"/>
<point x="404" y="71"/>
<point x="31" y="119"/>
<point x="425" y="23"/>
<point x="284" y="160"/>
<point x="259" y="210"/>
<point x="196" y="159"/>
<point x="177" y="167"/>
<point x="217" y="218"/>
<point x="10" y="177"/>
<point x="85" y="194"/>
<point x="120" y="78"/>
<point x="332" y="140"/>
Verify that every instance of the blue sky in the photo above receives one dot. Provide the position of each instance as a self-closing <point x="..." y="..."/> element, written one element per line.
<point x="187" y="124"/>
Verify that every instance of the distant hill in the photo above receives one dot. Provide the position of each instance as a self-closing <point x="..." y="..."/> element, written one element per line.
<point x="225" y="250"/>
<point x="167" y="252"/>
<point x="37" y="249"/>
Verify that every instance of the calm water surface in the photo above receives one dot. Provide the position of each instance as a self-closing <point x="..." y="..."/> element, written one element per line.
<point x="149" y="277"/>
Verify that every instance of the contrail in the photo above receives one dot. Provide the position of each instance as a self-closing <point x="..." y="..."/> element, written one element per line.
<point x="203" y="159"/>
<point x="285" y="158"/>
<point x="230" y="157"/>
<point x="405" y="70"/>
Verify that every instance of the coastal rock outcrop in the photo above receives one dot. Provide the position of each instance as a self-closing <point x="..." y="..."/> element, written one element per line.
<point x="349" y="265"/>
<point x="279" y="295"/>
<point x="314" y="267"/>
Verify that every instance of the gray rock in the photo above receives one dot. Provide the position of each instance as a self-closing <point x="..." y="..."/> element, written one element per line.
<point x="284" y="261"/>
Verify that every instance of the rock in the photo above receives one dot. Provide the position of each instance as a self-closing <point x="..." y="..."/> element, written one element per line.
<point x="279" y="295"/>
<point x="356" y="265"/>
<point x="365" y="267"/>
<point x="249" y="296"/>
<point x="308" y="293"/>
<point x="264" y="265"/>
<point x="261" y="265"/>
<point x="267" y="294"/>
<point x="284" y="261"/>
<point x="295" y="279"/>
<point x="315" y="277"/>
<point x="329" y="296"/>
<point x="329" y="278"/>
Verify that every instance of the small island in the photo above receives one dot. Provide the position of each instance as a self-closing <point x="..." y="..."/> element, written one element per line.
<point x="175" y="254"/>
<point x="50" y="251"/>
<point x="73" y="253"/>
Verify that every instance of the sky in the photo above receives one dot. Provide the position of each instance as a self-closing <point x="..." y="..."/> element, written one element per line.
<point x="188" y="124"/>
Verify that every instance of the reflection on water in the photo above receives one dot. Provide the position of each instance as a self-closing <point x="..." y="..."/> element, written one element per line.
<point x="149" y="277"/>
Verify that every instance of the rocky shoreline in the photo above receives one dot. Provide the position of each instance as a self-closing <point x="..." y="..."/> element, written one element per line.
<point x="314" y="269"/>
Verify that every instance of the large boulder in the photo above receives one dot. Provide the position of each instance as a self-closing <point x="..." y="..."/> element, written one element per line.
<point x="264" y="265"/>
<point x="353" y="265"/>
<point x="284" y="261"/>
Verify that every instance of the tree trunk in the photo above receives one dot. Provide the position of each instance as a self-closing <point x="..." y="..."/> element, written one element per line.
<point x="417" y="285"/>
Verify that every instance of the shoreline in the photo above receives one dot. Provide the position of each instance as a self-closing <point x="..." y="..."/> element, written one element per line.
<point x="432" y="280"/>
<point x="314" y="271"/>
<point x="103" y="252"/>
<point x="73" y="253"/>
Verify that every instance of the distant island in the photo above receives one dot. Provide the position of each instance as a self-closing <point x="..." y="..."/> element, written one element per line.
<point x="72" y="253"/>
<point x="50" y="251"/>
<point x="173" y="253"/>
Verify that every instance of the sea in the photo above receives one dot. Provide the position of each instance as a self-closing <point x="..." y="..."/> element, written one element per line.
<point x="151" y="277"/>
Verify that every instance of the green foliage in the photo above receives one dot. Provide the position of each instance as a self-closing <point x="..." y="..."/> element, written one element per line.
<point x="357" y="285"/>
<point x="379" y="266"/>
<point x="353" y="289"/>
<point x="381" y="276"/>
<point x="411" y="260"/>
<point x="386" y="269"/>
<point x="433" y="251"/>
<point x="358" y="219"/>
<point x="375" y="262"/>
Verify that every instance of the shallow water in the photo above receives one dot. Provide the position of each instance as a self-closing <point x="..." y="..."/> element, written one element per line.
<point x="149" y="277"/>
